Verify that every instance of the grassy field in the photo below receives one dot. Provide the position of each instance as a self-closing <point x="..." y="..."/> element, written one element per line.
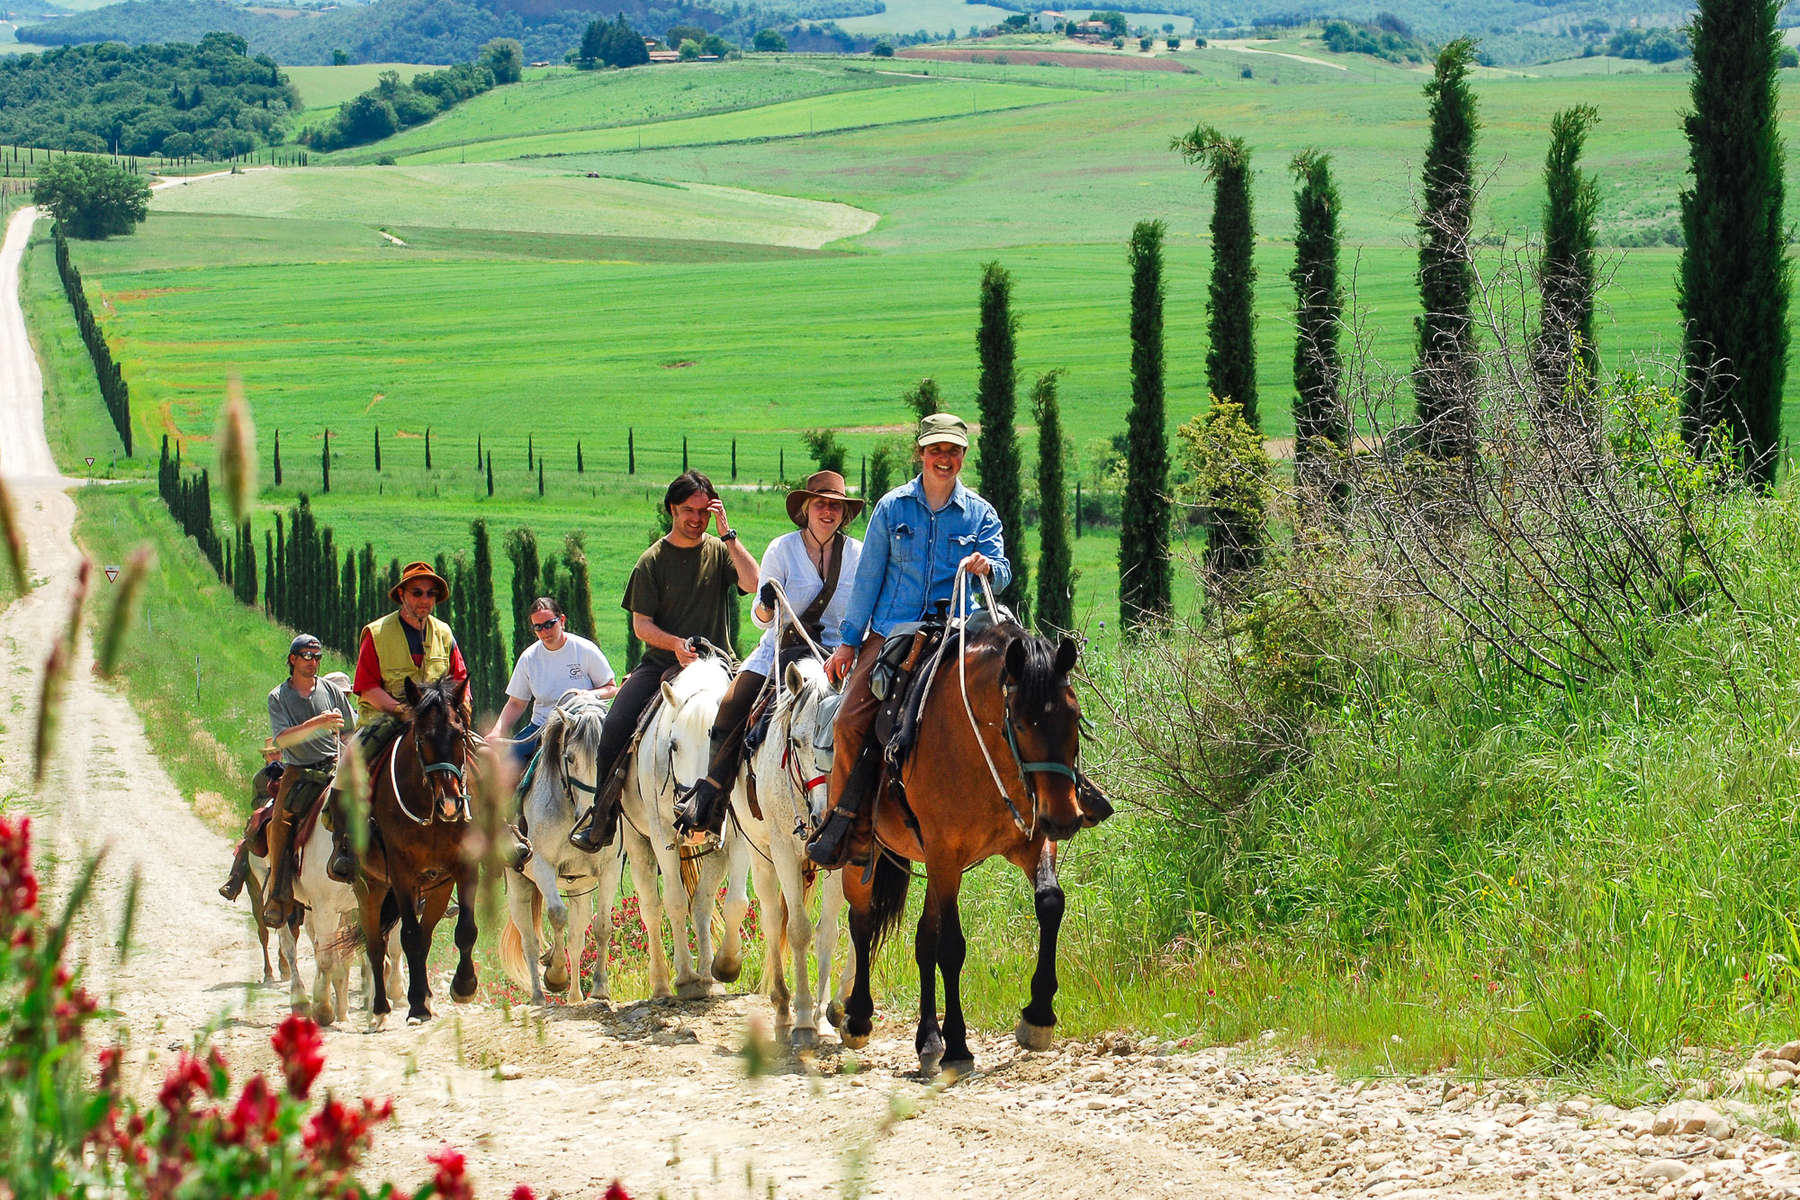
<point x="328" y="87"/>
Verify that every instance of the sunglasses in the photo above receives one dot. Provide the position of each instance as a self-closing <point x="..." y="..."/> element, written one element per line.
<point x="309" y="655"/>
<point x="432" y="592"/>
<point x="540" y="626"/>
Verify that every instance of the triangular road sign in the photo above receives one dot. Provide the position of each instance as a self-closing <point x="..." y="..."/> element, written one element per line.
<point x="112" y="574"/>
<point x="90" y="461"/>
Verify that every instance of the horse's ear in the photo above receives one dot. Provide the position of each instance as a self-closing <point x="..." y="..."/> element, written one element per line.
<point x="1015" y="659"/>
<point x="794" y="681"/>
<point x="669" y="696"/>
<point x="410" y="692"/>
<point x="458" y="693"/>
<point x="1066" y="653"/>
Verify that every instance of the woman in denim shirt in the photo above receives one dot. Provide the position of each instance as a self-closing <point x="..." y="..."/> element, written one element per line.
<point x="918" y="536"/>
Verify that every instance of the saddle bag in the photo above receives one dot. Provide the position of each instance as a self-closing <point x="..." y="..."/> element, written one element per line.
<point x="824" y="739"/>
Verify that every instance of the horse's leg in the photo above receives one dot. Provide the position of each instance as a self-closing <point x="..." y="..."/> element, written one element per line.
<point x="952" y="949"/>
<point x="255" y="880"/>
<point x="650" y="909"/>
<point x="798" y="934"/>
<point x="612" y="866"/>
<point x="825" y="936"/>
<point x="774" y="980"/>
<point x="929" y="1040"/>
<point x="376" y="946"/>
<point x="463" y="983"/>
<point x="1038" y="1018"/>
<point x="414" y="940"/>
<point x="728" y="963"/>
<point x="859" y="1013"/>
<point x="288" y="943"/>
<point x="521" y="901"/>
<point x="543" y="876"/>
<point x="581" y="914"/>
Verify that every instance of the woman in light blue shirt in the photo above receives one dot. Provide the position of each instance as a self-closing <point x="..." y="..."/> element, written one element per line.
<point x="919" y="535"/>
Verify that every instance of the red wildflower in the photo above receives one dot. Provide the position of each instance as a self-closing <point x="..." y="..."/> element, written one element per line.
<point x="109" y="1067"/>
<point x="18" y="886"/>
<point x="188" y="1077"/>
<point x="616" y="1191"/>
<point x="450" y="1181"/>
<point x="253" y="1117"/>
<point x="524" y="1192"/>
<point x="302" y="1054"/>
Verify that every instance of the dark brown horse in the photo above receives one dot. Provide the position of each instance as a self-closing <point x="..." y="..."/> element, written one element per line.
<point x="992" y="772"/>
<point x="418" y="815"/>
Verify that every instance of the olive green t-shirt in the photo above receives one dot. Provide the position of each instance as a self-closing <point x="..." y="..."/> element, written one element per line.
<point x="686" y="592"/>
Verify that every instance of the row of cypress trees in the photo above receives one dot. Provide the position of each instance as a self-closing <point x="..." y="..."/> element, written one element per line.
<point x="189" y="501"/>
<point x="113" y="389"/>
<point x="564" y="579"/>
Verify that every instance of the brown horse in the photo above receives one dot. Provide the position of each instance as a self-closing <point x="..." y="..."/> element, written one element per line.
<point x="418" y="815"/>
<point x="992" y="772"/>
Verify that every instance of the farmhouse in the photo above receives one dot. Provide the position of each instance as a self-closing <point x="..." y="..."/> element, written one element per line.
<point x="1047" y="21"/>
<point x="1097" y="31"/>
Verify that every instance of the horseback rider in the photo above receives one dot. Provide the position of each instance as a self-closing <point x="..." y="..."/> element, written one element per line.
<point x="310" y="720"/>
<point x="680" y="591"/>
<point x="919" y="535"/>
<point x="813" y="566"/>
<point x="552" y="665"/>
<point x="408" y="643"/>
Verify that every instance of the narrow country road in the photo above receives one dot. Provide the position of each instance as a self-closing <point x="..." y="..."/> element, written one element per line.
<point x="656" y="1094"/>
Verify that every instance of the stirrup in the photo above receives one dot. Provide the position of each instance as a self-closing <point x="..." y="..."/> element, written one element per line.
<point x="585" y="837"/>
<point x="520" y="854"/>
<point x="700" y="811"/>
<point x="830" y="847"/>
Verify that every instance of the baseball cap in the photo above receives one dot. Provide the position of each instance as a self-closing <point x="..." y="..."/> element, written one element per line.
<point x="943" y="427"/>
<point x="304" y="641"/>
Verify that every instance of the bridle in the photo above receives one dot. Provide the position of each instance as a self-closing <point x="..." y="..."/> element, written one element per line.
<point x="427" y="770"/>
<point x="1027" y="769"/>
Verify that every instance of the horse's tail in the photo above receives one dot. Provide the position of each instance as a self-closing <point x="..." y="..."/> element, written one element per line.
<point x="512" y="943"/>
<point x="887" y="896"/>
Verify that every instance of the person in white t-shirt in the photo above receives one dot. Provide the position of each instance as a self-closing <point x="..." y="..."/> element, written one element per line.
<point x="556" y="662"/>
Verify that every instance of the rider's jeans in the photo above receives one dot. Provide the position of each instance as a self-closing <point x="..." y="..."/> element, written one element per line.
<point x="854" y="717"/>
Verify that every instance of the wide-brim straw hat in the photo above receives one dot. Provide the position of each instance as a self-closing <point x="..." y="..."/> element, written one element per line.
<point x="418" y="570"/>
<point x="821" y="485"/>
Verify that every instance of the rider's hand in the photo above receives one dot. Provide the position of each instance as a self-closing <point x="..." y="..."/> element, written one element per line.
<point x="839" y="664"/>
<point x="977" y="564"/>
<point x="765" y="596"/>
<point x="717" y="508"/>
<point x="332" y="720"/>
<point x="404" y="711"/>
<point x="685" y="654"/>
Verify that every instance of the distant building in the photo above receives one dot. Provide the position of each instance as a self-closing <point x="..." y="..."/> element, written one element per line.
<point x="1047" y="21"/>
<point x="1097" y="30"/>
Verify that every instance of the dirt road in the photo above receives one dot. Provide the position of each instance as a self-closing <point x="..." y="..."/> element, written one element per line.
<point x="657" y="1095"/>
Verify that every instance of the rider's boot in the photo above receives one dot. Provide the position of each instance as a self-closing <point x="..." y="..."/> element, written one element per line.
<point x="702" y="811"/>
<point x="833" y="845"/>
<point x="240" y="871"/>
<point x="1092" y="802"/>
<point x="594" y="831"/>
<point x="342" y="864"/>
<point x="519" y="853"/>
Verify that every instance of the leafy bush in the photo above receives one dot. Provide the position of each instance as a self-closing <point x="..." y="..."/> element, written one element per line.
<point x="92" y="197"/>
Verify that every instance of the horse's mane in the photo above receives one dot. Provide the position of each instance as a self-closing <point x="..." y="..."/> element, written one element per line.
<point x="1039" y="685"/>
<point x="791" y="696"/>
<point x="566" y="721"/>
<point x="432" y="694"/>
<point x="692" y="680"/>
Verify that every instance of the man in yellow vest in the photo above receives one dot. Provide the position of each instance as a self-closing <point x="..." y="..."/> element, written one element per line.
<point x="408" y="643"/>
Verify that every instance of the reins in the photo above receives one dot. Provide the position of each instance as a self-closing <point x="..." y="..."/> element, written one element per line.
<point x="427" y="770"/>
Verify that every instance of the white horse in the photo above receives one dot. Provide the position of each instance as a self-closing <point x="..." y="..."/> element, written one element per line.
<point x="672" y="755"/>
<point x="790" y="785"/>
<point x="561" y="792"/>
<point x="333" y="925"/>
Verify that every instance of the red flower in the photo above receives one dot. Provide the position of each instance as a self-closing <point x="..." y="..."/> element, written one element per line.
<point x="18" y="886"/>
<point x="302" y="1054"/>
<point x="524" y="1192"/>
<point x="450" y="1181"/>
<point x="188" y="1077"/>
<point x="616" y="1191"/>
<point x="253" y="1117"/>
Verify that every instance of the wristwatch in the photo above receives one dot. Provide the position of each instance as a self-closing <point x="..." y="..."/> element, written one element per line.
<point x="730" y="535"/>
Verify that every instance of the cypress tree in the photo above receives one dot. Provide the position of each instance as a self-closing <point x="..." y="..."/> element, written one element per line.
<point x="428" y="447"/>
<point x="862" y="485"/>
<point x="1565" y="355"/>
<point x="924" y="398"/>
<point x="345" y="614"/>
<point x="325" y="463"/>
<point x="1056" y="574"/>
<point x="684" y="458"/>
<point x="1231" y="292"/>
<point x="1735" y="271"/>
<point x="1321" y="421"/>
<point x="530" y="453"/>
<point x="997" y="456"/>
<point x="630" y="451"/>
<point x="581" y="592"/>
<point x="1444" y="378"/>
<point x="277" y="454"/>
<point x="480" y="457"/>
<point x="580" y="464"/>
<point x="522" y="549"/>
<point x="269" y="565"/>
<point x="540" y="477"/>
<point x="734" y="460"/>
<point x="490" y="473"/>
<point x="781" y="464"/>
<point x="1145" y="581"/>
<point x="378" y="449"/>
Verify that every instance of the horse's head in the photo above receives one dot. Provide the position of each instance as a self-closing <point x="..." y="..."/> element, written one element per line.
<point x="440" y="738"/>
<point x="806" y="765"/>
<point x="692" y="701"/>
<point x="570" y="749"/>
<point x="1043" y="720"/>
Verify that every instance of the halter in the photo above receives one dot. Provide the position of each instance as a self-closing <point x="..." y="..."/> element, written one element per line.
<point x="785" y="616"/>
<point x="427" y="770"/>
<point x="959" y="602"/>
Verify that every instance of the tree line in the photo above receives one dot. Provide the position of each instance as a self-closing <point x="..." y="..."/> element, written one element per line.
<point x="393" y="104"/>
<point x="212" y="98"/>
<point x="113" y="389"/>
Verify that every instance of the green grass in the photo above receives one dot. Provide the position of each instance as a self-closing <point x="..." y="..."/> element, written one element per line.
<point x="75" y="418"/>
<point x="328" y="87"/>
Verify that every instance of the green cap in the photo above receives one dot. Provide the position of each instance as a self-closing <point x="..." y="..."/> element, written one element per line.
<point x="943" y="427"/>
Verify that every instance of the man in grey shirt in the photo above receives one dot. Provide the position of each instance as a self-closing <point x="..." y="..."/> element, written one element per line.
<point x="308" y="720"/>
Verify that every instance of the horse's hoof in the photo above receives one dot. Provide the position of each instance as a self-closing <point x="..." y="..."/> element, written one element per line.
<point x="695" y="989"/>
<point x="727" y="970"/>
<point x="953" y="1069"/>
<point x="929" y="1058"/>
<point x="418" y="1016"/>
<point x="378" y="1022"/>
<point x="556" y="979"/>
<point x="803" y="1039"/>
<point x="1033" y="1037"/>
<point x="834" y="1012"/>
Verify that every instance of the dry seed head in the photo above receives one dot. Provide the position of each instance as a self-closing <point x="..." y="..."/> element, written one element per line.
<point x="125" y="607"/>
<point x="237" y="451"/>
<point x="14" y="537"/>
<point x="56" y="686"/>
<point x="353" y="792"/>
